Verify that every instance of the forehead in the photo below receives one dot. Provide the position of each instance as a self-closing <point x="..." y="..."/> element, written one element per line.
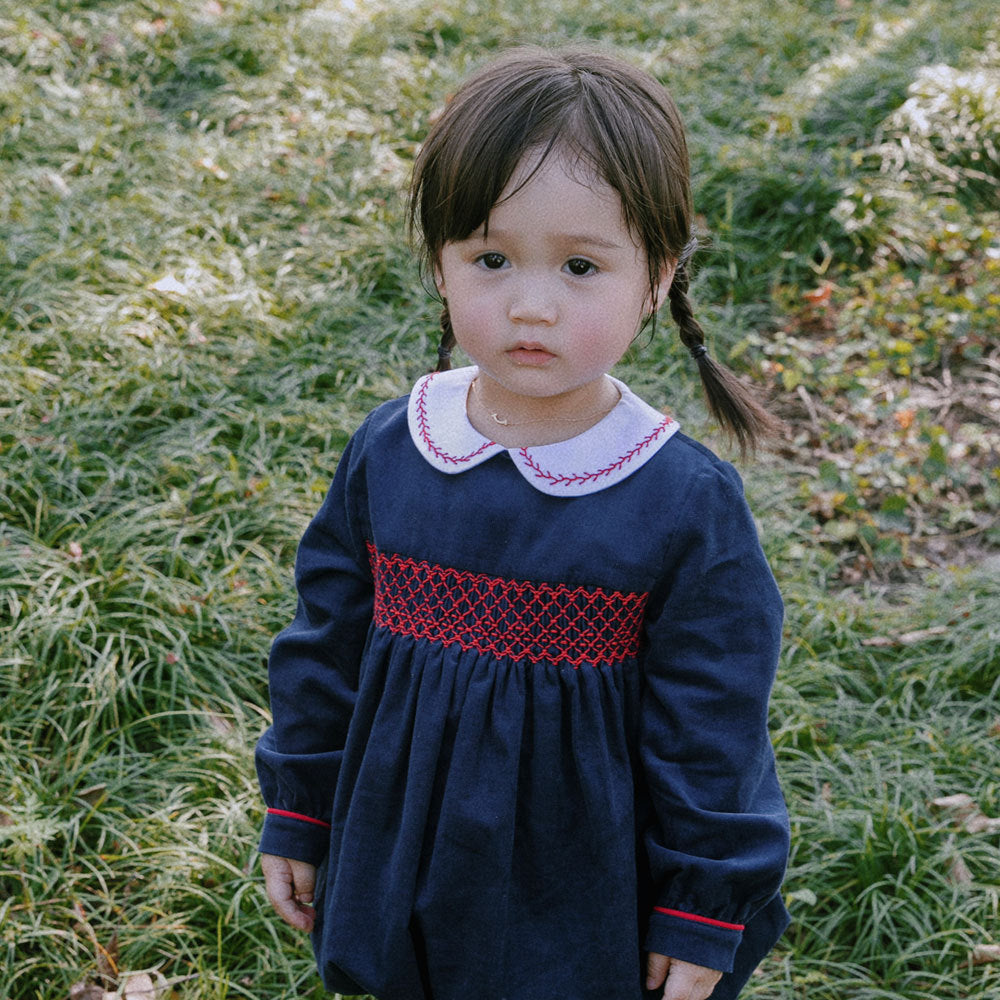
<point x="559" y="162"/>
<point x="560" y="194"/>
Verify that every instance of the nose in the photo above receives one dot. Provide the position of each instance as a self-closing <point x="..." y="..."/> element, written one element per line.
<point x="533" y="301"/>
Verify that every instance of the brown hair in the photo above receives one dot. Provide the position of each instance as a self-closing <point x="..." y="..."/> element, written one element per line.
<point x="613" y="118"/>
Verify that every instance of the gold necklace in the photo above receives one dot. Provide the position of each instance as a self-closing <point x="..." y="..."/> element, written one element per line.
<point x="504" y="422"/>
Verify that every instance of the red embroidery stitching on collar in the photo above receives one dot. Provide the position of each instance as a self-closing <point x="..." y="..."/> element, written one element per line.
<point x="586" y="477"/>
<point x="425" y="434"/>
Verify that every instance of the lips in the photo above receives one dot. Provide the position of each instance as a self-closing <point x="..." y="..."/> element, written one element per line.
<point x="530" y="354"/>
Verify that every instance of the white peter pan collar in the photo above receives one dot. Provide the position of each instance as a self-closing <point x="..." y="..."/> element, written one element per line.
<point x="601" y="456"/>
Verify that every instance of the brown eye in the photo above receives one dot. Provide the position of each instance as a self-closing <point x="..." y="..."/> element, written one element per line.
<point x="579" y="267"/>
<point x="492" y="261"/>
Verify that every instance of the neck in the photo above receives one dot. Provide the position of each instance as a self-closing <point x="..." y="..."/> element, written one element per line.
<point x="517" y="421"/>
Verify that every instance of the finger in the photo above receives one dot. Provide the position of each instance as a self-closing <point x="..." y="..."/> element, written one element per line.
<point x="677" y="987"/>
<point x="656" y="970"/>
<point x="294" y="914"/>
<point x="689" y="982"/>
<point x="280" y="888"/>
<point x="298" y="915"/>
<point x="303" y="881"/>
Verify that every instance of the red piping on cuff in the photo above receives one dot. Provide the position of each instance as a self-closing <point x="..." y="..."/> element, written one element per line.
<point x="700" y="920"/>
<point x="291" y="815"/>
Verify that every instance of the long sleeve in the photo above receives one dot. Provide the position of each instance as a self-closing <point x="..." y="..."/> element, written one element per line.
<point x="313" y="672"/>
<point x="717" y="843"/>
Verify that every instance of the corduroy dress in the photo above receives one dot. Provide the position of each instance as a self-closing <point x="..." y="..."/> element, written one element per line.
<point x="520" y="716"/>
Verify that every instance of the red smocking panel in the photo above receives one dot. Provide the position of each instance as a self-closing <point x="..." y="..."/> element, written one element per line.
<point x="537" y="622"/>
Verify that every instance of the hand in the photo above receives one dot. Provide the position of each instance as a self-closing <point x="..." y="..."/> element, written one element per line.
<point x="290" y="886"/>
<point x="684" y="981"/>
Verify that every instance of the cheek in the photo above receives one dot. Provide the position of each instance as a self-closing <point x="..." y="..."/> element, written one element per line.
<point x="470" y="322"/>
<point x="630" y="306"/>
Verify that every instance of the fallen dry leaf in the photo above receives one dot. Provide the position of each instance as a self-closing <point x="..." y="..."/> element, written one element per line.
<point x="918" y="635"/>
<point x="86" y="991"/>
<point x="979" y="823"/>
<point x="820" y="295"/>
<point x="877" y="640"/>
<point x="136" y="986"/>
<point x="94" y="795"/>
<point x="958" y="872"/>
<point x="959" y="803"/>
<point x="983" y="954"/>
<point x="106" y="958"/>
<point x="906" y="638"/>
<point x="222" y="726"/>
<point x="966" y="811"/>
<point x="139" y="987"/>
<point x="168" y="283"/>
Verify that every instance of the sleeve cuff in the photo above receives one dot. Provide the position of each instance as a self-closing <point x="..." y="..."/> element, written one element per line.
<point x="693" y="938"/>
<point x="292" y="835"/>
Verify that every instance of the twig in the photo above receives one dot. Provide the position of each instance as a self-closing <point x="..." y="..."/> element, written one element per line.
<point x="803" y="394"/>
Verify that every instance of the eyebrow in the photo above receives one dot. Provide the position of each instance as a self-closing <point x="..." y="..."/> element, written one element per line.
<point x="589" y="239"/>
<point x="594" y="241"/>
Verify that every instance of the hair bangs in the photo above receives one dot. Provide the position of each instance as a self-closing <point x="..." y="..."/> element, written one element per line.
<point x="468" y="160"/>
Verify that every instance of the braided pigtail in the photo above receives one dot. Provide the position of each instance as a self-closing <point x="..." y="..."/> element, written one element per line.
<point x="731" y="403"/>
<point x="447" y="341"/>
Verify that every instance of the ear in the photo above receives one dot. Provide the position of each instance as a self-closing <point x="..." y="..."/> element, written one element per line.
<point x="439" y="278"/>
<point x="662" y="289"/>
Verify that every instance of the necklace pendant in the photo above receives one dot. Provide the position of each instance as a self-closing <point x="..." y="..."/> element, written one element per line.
<point x="500" y="420"/>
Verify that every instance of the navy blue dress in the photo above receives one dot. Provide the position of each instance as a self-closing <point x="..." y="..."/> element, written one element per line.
<point x="520" y="717"/>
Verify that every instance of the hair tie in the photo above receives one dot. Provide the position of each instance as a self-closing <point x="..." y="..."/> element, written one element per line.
<point x="698" y="351"/>
<point x="444" y="353"/>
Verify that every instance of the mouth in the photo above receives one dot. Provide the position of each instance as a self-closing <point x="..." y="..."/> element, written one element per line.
<point x="530" y="354"/>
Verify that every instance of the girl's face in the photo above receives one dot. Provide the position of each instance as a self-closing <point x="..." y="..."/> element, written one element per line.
<point x="551" y="298"/>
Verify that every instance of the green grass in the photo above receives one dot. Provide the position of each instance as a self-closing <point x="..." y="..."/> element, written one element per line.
<point x="162" y="443"/>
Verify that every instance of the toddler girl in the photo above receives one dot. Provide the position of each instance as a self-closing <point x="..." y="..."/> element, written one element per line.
<point x="520" y="746"/>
